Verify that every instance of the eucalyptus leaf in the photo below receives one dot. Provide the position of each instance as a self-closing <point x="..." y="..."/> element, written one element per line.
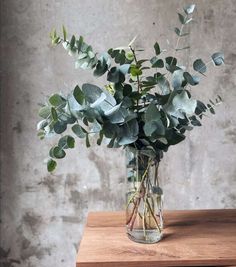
<point x="66" y="141"/>
<point x="192" y="80"/>
<point x="78" y="95"/>
<point x="199" y="66"/>
<point x="51" y="165"/>
<point x="218" y="58"/>
<point x="59" y="127"/>
<point x="189" y="9"/>
<point x="72" y="42"/>
<point x="181" y="18"/>
<point x="87" y="141"/>
<point x="45" y="112"/>
<point x="115" y="75"/>
<point x="177" y="79"/>
<point x="79" y="131"/>
<point x="152" y="113"/>
<point x="164" y="85"/>
<point x="57" y="152"/>
<point x="56" y="100"/>
<point x="157" y="49"/>
<point x="54" y="114"/>
<point x="157" y="63"/>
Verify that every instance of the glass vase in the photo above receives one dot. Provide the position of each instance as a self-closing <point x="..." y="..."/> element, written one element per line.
<point x="144" y="197"/>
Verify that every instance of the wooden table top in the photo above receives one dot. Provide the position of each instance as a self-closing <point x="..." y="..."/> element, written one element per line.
<point x="191" y="238"/>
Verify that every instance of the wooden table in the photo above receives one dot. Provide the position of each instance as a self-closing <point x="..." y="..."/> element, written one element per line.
<point x="191" y="238"/>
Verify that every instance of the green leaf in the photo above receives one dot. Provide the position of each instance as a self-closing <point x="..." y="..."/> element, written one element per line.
<point x="127" y="90"/>
<point x="115" y="75"/>
<point x="154" y="128"/>
<point x="42" y="124"/>
<point x="79" y="131"/>
<point x="79" y="43"/>
<point x="135" y="70"/>
<point x="199" y="66"/>
<point x="57" y="152"/>
<point x="66" y="141"/>
<point x="152" y="113"/>
<point x="72" y="42"/>
<point x="164" y="85"/>
<point x="177" y="79"/>
<point x="78" y="95"/>
<point x="184" y="103"/>
<point x="157" y="49"/>
<point x="99" y="141"/>
<point x="210" y="107"/>
<point x="87" y="141"/>
<point x="173" y="137"/>
<point x="56" y="100"/>
<point x="218" y="58"/>
<point x="157" y="63"/>
<point x="195" y="121"/>
<point x="64" y="32"/>
<point x="124" y="68"/>
<point x="181" y="18"/>
<point x="129" y="132"/>
<point x="51" y="165"/>
<point x="192" y="80"/>
<point x="102" y="65"/>
<point x="171" y="63"/>
<point x="188" y="9"/>
<point x="91" y="92"/>
<point x="129" y="55"/>
<point x="179" y="33"/>
<point x="54" y="114"/>
<point x="59" y="127"/>
<point x="45" y="112"/>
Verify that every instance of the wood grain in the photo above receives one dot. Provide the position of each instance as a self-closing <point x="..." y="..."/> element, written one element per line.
<point x="191" y="238"/>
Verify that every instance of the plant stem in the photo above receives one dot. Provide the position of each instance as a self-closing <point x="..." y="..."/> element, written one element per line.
<point x="136" y="62"/>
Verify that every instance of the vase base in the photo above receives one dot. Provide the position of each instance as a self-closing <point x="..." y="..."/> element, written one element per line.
<point x="146" y="237"/>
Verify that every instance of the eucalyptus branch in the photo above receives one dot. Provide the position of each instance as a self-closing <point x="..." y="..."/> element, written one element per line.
<point x="128" y="117"/>
<point x="136" y="62"/>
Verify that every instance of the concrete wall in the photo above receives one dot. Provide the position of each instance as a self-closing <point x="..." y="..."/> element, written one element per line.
<point x="42" y="215"/>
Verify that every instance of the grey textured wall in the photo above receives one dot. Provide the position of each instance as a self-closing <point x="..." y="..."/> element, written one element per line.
<point x="42" y="215"/>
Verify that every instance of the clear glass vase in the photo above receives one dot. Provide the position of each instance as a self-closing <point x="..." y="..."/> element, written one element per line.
<point x="144" y="197"/>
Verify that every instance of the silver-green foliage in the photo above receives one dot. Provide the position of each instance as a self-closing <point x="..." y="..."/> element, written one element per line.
<point x="149" y="113"/>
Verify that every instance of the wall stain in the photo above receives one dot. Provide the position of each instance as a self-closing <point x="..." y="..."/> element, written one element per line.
<point x="78" y="200"/>
<point x="17" y="128"/>
<point x="27" y="249"/>
<point x="71" y="180"/>
<point x="103" y="168"/>
<point x="6" y="260"/>
<point x="35" y="251"/>
<point x="51" y="182"/>
<point x="71" y="219"/>
<point x="231" y="136"/>
<point x="32" y="220"/>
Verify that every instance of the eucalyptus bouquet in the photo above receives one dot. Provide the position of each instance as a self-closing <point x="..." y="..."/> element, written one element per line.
<point x="145" y="105"/>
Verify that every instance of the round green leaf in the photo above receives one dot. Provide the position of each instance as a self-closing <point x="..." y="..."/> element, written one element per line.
<point x="199" y="66"/>
<point x="51" y="165"/>
<point x="66" y="141"/>
<point x="218" y="58"/>
<point x="56" y="100"/>
<point x="79" y="131"/>
<point x="57" y="152"/>
<point x="59" y="127"/>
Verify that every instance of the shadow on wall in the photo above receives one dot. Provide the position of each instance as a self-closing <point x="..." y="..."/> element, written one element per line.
<point x="6" y="260"/>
